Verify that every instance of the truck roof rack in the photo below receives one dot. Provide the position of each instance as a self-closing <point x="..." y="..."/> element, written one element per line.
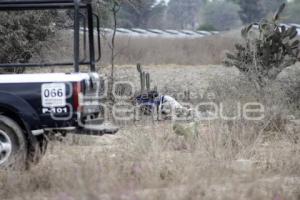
<point x="77" y="6"/>
<point x="41" y="4"/>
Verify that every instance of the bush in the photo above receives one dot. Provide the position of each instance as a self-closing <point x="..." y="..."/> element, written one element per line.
<point x="22" y="35"/>
<point x="266" y="52"/>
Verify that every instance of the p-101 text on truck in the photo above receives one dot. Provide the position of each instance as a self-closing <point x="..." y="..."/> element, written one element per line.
<point x="34" y="105"/>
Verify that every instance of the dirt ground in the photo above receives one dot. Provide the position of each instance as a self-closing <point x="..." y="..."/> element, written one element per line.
<point x="154" y="161"/>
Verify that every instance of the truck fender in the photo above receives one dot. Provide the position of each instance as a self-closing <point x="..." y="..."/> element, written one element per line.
<point x="21" y="108"/>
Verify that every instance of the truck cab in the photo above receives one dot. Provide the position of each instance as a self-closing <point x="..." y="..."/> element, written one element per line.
<point x="34" y="105"/>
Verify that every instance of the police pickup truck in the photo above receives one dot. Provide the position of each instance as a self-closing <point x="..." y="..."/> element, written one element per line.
<point x="34" y="105"/>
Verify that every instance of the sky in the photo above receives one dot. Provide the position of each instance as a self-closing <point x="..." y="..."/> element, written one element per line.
<point x="164" y="0"/>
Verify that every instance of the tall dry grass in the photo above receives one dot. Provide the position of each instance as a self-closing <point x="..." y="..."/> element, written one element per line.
<point x="205" y="160"/>
<point x="150" y="50"/>
<point x="181" y="51"/>
<point x="155" y="163"/>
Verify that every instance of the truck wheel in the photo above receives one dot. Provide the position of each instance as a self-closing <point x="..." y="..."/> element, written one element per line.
<point x="37" y="150"/>
<point x="13" y="146"/>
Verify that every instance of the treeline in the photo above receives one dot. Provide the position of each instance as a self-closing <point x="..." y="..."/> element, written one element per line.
<point x="194" y="14"/>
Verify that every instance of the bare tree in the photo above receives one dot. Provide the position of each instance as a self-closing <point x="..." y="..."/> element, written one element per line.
<point x="111" y="8"/>
<point x="115" y="9"/>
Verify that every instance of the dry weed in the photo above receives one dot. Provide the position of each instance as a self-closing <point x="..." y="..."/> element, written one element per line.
<point x="152" y="162"/>
<point x="151" y="51"/>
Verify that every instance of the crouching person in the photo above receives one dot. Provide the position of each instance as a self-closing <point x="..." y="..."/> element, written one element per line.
<point x="163" y="105"/>
<point x="171" y="108"/>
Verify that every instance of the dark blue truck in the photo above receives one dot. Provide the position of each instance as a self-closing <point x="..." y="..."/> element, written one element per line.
<point x="34" y="105"/>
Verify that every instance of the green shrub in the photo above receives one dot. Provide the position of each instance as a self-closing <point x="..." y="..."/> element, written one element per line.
<point x="22" y="35"/>
<point x="266" y="52"/>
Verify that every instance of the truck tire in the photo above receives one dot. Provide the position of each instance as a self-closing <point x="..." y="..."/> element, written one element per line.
<point x="36" y="150"/>
<point x="13" y="145"/>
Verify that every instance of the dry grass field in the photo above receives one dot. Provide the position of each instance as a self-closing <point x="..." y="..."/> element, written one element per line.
<point x="181" y="51"/>
<point x="151" y="162"/>
<point x="150" y="51"/>
<point x="154" y="160"/>
<point x="216" y="159"/>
